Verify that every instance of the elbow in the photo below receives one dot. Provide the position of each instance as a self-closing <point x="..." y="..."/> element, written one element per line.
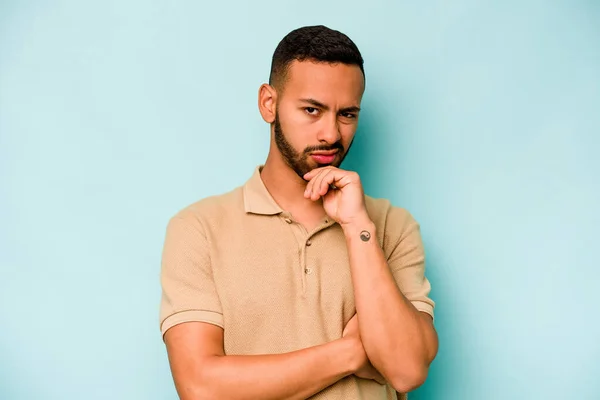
<point x="196" y="392"/>
<point x="197" y="381"/>
<point x="197" y="388"/>
<point x="408" y="379"/>
<point x="193" y="391"/>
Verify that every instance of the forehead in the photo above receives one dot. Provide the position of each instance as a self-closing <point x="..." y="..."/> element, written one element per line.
<point x="323" y="81"/>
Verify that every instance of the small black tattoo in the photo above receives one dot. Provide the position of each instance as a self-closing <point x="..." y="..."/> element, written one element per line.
<point x="365" y="236"/>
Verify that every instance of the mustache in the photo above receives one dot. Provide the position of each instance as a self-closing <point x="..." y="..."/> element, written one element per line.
<point x="334" y="146"/>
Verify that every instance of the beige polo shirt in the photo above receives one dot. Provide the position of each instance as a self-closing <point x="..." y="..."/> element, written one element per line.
<point x="237" y="260"/>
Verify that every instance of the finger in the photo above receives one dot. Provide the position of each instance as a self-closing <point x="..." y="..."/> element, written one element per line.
<point x="350" y="320"/>
<point x="343" y="178"/>
<point x="308" y="192"/>
<point x="327" y="183"/>
<point x="352" y="327"/>
<point x="315" y="184"/>
<point x="322" y="181"/>
<point x="350" y="324"/>
<point x="311" y="181"/>
<point x="353" y="320"/>
<point x="337" y="179"/>
<point x="313" y="173"/>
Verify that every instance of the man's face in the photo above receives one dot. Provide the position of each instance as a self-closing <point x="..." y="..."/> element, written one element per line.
<point x="317" y="114"/>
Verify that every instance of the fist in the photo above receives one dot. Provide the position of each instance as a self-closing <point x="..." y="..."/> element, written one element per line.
<point x="342" y="193"/>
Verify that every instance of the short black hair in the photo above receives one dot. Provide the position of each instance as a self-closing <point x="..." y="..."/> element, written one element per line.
<point x="316" y="43"/>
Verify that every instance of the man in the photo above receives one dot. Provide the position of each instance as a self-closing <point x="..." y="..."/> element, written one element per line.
<point x="296" y="284"/>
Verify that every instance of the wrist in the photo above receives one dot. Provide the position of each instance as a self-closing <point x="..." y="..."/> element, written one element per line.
<point x="353" y="354"/>
<point x="357" y="225"/>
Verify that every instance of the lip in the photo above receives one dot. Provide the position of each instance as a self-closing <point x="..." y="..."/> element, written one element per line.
<point x="324" y="153"/>
<point x="324" y="159"/>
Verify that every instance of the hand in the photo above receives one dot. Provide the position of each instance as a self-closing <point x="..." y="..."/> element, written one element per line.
<point x="345" y="201"/>
<point x="363" y="369"/>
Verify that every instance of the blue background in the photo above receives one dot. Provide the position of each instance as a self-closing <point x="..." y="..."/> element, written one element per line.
<point x="481" y="118"/>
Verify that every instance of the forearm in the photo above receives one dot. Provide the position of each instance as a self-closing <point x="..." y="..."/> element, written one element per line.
<point x="295" y="375"/>
<point x="393" y="331"/>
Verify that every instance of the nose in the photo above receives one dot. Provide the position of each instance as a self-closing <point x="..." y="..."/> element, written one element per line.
<point x="330" y="131"/>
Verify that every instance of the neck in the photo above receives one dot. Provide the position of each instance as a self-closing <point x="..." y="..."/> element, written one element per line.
<point x="286" y="187"/>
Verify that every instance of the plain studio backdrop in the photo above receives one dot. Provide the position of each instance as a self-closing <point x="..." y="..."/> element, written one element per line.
<point x="482" y="119"/>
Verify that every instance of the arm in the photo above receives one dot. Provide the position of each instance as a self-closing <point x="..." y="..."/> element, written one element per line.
<point x="202" y="371"/>
<point x="191" y="322"/>
<point x="399" y="340"/>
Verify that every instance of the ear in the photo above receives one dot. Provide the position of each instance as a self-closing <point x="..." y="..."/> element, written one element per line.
<point x="267" y="100"/>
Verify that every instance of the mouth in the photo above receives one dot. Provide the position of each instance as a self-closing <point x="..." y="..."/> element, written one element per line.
<point x="324" y="157"/>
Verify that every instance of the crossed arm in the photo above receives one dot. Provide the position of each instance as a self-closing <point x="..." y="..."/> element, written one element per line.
<point x="202" y="371"/>
<point x="399" y="340"/>
<point x="392" y="334"/>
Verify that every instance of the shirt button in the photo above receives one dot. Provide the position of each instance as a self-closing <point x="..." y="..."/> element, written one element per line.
<point x="308" y="242"/>
<point x="308" y="271"/>
<point x="288" y="220"/>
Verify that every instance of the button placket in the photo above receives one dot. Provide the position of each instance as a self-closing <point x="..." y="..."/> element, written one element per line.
<point x="297" y="232"/>
<point x="303" y="268"/>
<point x="308" y="270"/>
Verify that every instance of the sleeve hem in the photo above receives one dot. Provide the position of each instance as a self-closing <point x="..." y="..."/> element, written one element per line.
<point x="210" y="317"/>
<point x="424" y="307"/>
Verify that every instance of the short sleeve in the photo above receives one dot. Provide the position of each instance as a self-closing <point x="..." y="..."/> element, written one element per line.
<point x="406" y="258"/>
<point x="188" y="288"/>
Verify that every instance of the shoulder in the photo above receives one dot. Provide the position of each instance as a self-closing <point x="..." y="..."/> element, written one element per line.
<point x="394" y="224"/>
<point x="388" y="216"/>
<point x="209" y="210"/>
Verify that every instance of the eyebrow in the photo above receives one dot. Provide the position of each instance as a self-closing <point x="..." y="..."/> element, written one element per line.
<point x="324" y="107"/>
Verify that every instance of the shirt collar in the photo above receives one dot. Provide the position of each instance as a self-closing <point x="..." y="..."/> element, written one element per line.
<point x="257" y="199"/>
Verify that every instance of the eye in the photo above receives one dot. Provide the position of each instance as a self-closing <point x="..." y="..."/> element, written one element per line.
<point x="311" y="110"/>
<point x="349" y="115"/>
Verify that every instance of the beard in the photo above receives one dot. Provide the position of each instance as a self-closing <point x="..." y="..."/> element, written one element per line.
<point x="300" y="162"/>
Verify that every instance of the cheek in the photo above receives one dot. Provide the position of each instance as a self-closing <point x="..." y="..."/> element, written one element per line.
<point x="299" y="128"/>
<point x="296" y="131"/>
<point x="347" y="132"/>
